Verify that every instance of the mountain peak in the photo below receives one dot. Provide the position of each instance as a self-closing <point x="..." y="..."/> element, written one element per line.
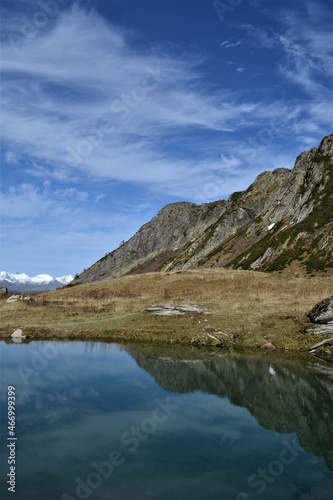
<point x="21" y="282"/>
<point x="283" y="219"/>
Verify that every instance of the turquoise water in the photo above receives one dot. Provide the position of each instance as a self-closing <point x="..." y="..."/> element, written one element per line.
<point x="101" y="421"/>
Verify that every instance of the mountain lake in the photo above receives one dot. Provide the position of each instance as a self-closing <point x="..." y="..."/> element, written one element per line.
<point x="103" y="421"/>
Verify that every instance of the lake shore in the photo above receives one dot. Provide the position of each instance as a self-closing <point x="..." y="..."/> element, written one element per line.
<point x="248" y="310"/>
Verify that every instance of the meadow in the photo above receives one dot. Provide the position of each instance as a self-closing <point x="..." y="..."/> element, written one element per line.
<point x="248" y="310"/>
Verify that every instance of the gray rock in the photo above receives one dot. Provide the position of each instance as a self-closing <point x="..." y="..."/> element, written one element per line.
<point x="15" y="298"/>
<point x="188" y="308"/>
<point x="320" y="344"/>
<point x="3" y="290"/>
<point x="172" y="310"/>
<point x="168" y="312"/>
<point x="18" y="334"/>
<point x="322" y="329"/>
<point x="322" y="312"/>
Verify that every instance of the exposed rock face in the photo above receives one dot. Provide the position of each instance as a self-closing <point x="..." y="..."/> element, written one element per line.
<point x="284" y="216"/>
<point x="322" y="312"/>
<point x="158" y="241"/>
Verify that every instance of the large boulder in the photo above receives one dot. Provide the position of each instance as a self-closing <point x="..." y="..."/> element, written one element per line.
<point x="322" y="312"/>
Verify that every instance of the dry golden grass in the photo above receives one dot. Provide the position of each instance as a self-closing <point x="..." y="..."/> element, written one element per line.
<point x="250" y="309"/>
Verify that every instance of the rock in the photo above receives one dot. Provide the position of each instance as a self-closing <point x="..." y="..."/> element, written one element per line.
<point x="18" y="334"/>
<point x="268" y="345"/>
<point x="164" y="310"/>
<point x="15" y="298"/>
<point x="322" y="312"/>
<point x="188" y="308"/>
<point x="172" y="310"/>
<point x="3" y="290"/>
<point x="168" y="312"/>
<point x="323" y="342"/>
<point x="322" y="329"/>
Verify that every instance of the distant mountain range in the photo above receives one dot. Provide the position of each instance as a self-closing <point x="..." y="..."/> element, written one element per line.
<point x="284" y="219"/>
<point x="24" y="283"/>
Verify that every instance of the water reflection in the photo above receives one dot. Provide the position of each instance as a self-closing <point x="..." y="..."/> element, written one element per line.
<point x="176" y="422"/>
<point x="283" y="396"/>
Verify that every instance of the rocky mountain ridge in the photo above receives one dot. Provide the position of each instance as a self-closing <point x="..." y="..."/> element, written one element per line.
<point x="285" y="216"/>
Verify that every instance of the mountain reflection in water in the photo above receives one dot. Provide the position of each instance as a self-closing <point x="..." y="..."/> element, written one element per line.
<point x="184" y="423"/>
<point x="284" y="396"/>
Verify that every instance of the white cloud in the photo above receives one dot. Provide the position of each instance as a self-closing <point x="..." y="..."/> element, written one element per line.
<point x="72" y="194"/>
<point x="305" y="51"/>
<point x="11" y="157"/>
<point x="24" y="201"/>
<point x="76" y="97"/>
<point x="84" y="107"/>
<point x="230" y="43"/>
<point x="62" y="229"/>
<point x="80" y="99"/>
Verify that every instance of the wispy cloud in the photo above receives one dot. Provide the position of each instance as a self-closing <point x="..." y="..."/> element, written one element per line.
<point x="86" y="110"/>
<point x="66" y="229"/>
<point x="303" y="52"/>
<point x="232" y="42"/>
<point x="81" y="98"/>
<point x="75" y="98"/>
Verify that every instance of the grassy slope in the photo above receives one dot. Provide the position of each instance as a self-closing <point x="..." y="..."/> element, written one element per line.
<point x="247" y="307"/>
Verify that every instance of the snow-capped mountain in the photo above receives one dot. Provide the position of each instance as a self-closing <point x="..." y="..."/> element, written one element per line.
<point x="24" y="283"/>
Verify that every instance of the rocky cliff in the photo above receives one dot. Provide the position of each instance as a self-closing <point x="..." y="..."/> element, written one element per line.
<point x="284" y="217"/>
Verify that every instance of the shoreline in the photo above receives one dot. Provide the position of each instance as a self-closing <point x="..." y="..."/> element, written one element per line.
<point x="248" y="310"/>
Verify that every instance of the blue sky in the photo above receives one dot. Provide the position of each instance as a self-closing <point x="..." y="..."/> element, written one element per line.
<point x="112" y="109"/>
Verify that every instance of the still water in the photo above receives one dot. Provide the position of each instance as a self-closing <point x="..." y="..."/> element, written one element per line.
<point x="106" y="422"/>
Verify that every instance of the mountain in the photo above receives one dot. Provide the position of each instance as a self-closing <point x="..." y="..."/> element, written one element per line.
<point x="24" y="283"/>
<point x="283" y="219"/>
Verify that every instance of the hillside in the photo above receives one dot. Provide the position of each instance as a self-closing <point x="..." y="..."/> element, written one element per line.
<point x="284" y="218"/>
